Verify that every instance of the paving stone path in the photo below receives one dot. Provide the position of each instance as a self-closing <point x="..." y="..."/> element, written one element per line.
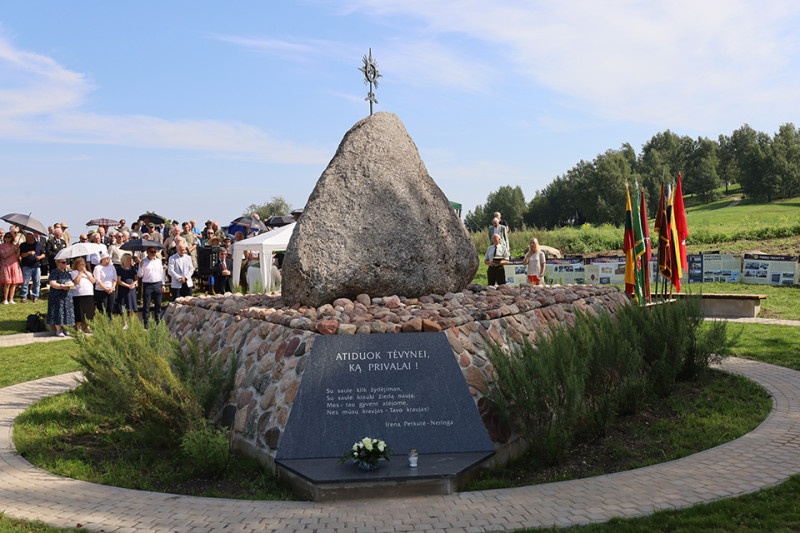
<point x="764" y="457"/>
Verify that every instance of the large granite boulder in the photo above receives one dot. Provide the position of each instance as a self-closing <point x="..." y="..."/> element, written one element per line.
<point x="376" y="223"/>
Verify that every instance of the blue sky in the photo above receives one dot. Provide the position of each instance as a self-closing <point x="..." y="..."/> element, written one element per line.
<point x="196" y="109"/>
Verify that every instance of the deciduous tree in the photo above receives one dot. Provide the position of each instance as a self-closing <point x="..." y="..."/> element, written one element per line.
<point x="276" y="206"/>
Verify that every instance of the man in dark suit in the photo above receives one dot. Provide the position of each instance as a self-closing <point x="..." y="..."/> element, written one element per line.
<point x="222" y="272"/>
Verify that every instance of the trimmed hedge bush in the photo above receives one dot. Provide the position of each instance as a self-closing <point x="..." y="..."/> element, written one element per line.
<point x="145" y="377"/>
<point x="577" y="379"/>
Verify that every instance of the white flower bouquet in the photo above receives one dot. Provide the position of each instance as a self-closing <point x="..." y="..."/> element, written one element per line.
<point x="367" y="452"/>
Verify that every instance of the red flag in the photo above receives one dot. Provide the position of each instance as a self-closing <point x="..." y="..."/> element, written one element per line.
<point x="674" y="252"/>
<point x="648" y="250"/>
<point x="680" y="223"/>
<point x="662" y="227"/>
<point x="628" y="244"/>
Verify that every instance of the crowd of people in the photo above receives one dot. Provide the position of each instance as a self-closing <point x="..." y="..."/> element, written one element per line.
<point x="113" y="280"/>
<point x="160" y="260"/>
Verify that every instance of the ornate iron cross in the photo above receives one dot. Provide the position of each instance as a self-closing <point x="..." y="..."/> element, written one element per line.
<point x="371" y="75"/>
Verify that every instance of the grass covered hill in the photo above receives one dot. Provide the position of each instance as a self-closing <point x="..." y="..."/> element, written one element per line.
<point x="732" y="225"/>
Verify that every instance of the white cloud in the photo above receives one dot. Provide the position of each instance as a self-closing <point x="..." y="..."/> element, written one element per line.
<point x="35" y="84"/>
<point x="291" y="49"/>
<point x="684" y="63"/>
<point x="43" y="103"/>
<point x="427" y="62"/>
<point x="265" y="44"/>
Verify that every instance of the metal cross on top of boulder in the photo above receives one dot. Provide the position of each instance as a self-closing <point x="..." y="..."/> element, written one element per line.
<point x="371" y="75"/>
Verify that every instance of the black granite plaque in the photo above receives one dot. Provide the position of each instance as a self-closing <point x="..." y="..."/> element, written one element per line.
<point x="404" y="388"/>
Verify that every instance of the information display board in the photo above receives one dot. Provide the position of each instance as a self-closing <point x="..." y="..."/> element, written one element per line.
<point x="695" y="269"/>
<point x="605" y="270"/>
<point x="565" y="271"/>
<point x="725" y="268"/>
<point x="516" y="272"/>
<point x="762" y="269"/>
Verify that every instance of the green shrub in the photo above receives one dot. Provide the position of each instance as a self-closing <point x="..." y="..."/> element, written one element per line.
<point x="576" y="379"/>
<point x="128" y="372"/>
<point x="613" y="361"/>
<point x="632" y="396"/>
<point x="144" y="376"/>
<point x="204" y="374"/>
<point x="663" y="334"/>
<point x="712" y="343"/>
<point x="207" y="449"/>
<point x="541" y="391"/>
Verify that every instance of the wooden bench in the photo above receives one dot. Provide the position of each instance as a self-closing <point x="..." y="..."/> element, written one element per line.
<point x="730" y="305"/>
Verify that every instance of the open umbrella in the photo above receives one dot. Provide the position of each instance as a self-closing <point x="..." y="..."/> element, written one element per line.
<point x="155" y="219"/>
<point x="79" y="249"/>
<point x="26" y="222"/>
<point x="140" y="245"/>
<point x="279" y="220"/>
<point x="103" y="222"/>
<point x="250" y="223"/>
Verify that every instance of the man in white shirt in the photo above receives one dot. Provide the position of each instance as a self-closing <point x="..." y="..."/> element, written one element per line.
<point x="151" y="272"/>
<point x="94" y="259"/>
<point x="180" y="271"/>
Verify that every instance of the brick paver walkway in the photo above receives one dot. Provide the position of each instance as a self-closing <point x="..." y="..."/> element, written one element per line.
<point x="763" y="457"/>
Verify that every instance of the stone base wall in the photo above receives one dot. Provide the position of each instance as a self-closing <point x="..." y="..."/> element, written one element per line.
<point x="271" y="342"/>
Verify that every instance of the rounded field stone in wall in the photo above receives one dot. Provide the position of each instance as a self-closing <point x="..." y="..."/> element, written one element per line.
<point x="272" y="436"/>
<point x="268" y="397"/>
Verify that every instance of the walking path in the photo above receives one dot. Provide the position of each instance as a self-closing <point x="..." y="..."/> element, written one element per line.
<point x="20" y="339"/>
<point x="749" y="320"/>
<point x="764" y="457"/>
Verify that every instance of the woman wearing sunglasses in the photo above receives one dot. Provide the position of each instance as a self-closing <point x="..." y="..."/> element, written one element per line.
<point x="60" y="311"/>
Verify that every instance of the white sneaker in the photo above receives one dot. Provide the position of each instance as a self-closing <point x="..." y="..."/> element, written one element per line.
<point x="125" y="327"/>
<point x="5" y="302"/>
<point x="12" y="302"/>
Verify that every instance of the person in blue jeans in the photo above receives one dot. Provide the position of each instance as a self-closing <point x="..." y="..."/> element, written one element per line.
<point x="31" y="253"/>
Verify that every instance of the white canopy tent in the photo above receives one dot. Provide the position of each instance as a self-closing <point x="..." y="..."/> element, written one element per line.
<point x="265" y="244"/>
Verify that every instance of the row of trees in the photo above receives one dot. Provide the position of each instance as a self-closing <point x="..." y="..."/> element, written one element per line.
<point x="765" y="166"/>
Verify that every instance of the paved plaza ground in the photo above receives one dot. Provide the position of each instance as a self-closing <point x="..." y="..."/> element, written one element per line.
<point x="764" y="457"/>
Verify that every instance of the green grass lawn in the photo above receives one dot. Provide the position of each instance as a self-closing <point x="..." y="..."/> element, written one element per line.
<point x="12" y="317"/>
<point x="710" y="410"/>
<point x="772" y="509"/>
<point x="19" y="364"/>
<point x="746" y="212"/>
<point x="774" y="344"/>
<point x="61" y="435"/>
<point x="783" y="301"/>
<point x="12" y="525"/>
